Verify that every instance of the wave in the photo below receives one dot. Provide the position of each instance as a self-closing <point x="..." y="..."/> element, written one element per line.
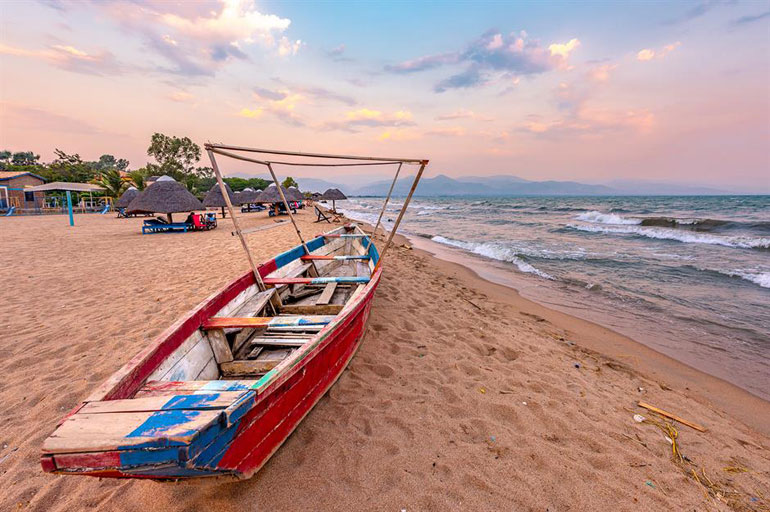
<point x="760" y="278"/>
<point x="741" y="242"/>
<point x="493" y="251"/>
<point x="606" y="218"/>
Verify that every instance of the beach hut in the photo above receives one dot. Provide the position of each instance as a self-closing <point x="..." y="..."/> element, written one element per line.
<point x="247" y="196"/>
<point x="215" y="199"/>
<point x="295" y="194"/>
<point x="167" y="196"/>
<point x="333" y="195"/>
<point x="126" y="198"/>
<point x="13" y="193"/>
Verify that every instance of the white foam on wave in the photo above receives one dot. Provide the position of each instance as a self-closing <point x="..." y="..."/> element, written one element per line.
<point x="760" y="278"/>
<point x="606" y="218"/>
<point x="493" y="251"/>
<point x="741" y="242"/>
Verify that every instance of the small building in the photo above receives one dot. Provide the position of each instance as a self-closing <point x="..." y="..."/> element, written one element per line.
<point x="12" y="193"/>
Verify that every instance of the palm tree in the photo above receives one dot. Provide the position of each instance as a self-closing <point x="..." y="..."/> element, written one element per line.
<point x="113" y="182"/>
<point x="138" y="177"/>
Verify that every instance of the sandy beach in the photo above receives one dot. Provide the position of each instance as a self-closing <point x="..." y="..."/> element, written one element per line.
<point x="464" y="396"/>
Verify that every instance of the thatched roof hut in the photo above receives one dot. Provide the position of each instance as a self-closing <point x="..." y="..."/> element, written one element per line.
<point x="214" y="198"/>
<point x="295" y="194"/>
<point x="167" y="196"/>
<point x="271" y="195"/>
<point x="248" y="196"/>
<point x="334" y="195"/>
<point x="126" y="198"/>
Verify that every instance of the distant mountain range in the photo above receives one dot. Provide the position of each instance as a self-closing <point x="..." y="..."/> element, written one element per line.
<point x="499" y="185"/>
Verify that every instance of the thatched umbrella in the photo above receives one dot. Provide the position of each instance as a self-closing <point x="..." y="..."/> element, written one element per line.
<point x="237" y="196"/>
<point x="295" y="194"/>
<point x="167" y="196"/>
<point x="271" y="195"/>
<point x="248" y="196"/>
<point x="127" y="197"/>
<point x="215" y="198"/>
<point x="334" y="194"/>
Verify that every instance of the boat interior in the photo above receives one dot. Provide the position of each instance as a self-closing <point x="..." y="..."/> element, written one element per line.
<point x="258" y="330"/>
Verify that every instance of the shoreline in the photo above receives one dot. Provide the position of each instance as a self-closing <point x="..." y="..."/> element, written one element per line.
<point x="739" y="403"/>
<point x="463" y="395"/>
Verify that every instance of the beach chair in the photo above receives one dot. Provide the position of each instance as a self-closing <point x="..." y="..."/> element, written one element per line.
<point x="121" y="213"/>
<point x="320" y="215"/>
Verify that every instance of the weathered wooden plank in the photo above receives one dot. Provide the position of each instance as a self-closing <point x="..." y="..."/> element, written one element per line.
<point x="326" y="295"/>
<point x="190" y="366"/>
<point x="211" y="400"/>
<point x="255" y="305"/>
<point x="296" y="328"/>
<point x="316" y="280"/>
<point x="165" y="387"/>
<point x="312" y="309"/>
<point x="219" y="346"/>
<point x="267" y="321"/>
<point x="278" y="342"/>
<point x="248" y="367"/>
<point x="112" y="431"/>
<point x="177" y="355"/>
<point x="312" y="257"/>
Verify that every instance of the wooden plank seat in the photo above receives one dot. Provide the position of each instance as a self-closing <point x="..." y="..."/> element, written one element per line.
<point x="344" y="235"/>
<point x="277" y="341"/>
<point x="150" y="422"/>
<point x="310" y="257"/>
<point x="261" y="362"/>
<point x="267" y="321"/>
<point x="315" y="280"/>
<point x="190" y="387"/>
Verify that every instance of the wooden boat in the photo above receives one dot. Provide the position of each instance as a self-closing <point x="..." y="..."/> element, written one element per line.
<point x="220" y="390"/>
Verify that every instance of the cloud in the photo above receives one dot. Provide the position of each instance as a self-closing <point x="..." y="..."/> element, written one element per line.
<point x="648" y="54"/>
<point x="494" y="53"/>
<point x="315" y="93"/>
<point x="591" y="121"/>
<point x="697" y="11"/>
<point x="181" y="97"/>
<point x="366" y="117"/>
<point x="337" y="54"/>
<point x="745" y="20"/>
<point x="462" y="114"/>
<point x="69" y="58"/>
<point x="447" y="131"/>
<point x="399" y="134"/>
<point x="601" y="73"/>
<point x="198" y="38"/>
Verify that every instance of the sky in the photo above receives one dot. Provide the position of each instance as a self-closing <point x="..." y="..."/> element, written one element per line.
<point x="593" y="92"/>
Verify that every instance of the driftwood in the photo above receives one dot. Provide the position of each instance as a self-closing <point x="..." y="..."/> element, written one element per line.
<point x="674" y="417"/>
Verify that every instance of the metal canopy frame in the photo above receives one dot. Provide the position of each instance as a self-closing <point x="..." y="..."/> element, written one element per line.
<point x="235" y="153"/>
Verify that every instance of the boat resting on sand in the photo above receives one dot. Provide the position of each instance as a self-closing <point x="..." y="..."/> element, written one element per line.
<point x="221" y="389"/>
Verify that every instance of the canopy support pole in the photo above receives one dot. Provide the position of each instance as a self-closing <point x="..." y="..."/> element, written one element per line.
<point x="291" y="215"/>
<point x="384" y="207"/>
<point x="260" y="283"/>
<point x="401" y="213"/>
<point x="69" y="207"/>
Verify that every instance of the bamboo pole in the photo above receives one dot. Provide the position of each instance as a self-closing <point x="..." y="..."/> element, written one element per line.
<point x="315" y="155"/>
<point x="401" y="213"/>
<point x="384" y="207"/>
<point x="260" y="284"/>
<point x="291" y="215"/>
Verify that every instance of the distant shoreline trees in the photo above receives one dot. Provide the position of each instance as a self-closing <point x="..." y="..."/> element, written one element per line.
<point x="177" y="157"/>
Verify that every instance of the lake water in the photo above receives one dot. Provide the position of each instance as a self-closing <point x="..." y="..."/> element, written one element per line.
<point x="688" y="276"/>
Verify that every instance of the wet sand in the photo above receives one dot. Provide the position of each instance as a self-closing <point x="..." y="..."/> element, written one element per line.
<point x="463" y="396"/>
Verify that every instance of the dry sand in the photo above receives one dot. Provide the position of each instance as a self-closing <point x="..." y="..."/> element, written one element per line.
<point x="463" y="396"/>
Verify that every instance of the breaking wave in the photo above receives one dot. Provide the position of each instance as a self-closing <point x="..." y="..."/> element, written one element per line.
<point x="493" y="251"/>
<point x="606" y="218"/>
<point x="742" y="242"/>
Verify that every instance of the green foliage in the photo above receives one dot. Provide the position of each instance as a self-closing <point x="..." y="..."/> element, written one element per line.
<point x="139" y="177"/>
<point x="67" y="168"/>
<point x="238" y="184"/>
<point x="175" y="156"/>
<point x="113" y="183"/>
<point x="24" y="158"/>
<point x="108" y="162"/>
<point x="289" y="182"/>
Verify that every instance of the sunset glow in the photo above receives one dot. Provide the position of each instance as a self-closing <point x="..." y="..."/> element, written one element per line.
<point x="589" y="92"/>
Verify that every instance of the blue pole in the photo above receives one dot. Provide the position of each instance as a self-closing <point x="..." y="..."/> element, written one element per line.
<point x="69" y="206"/>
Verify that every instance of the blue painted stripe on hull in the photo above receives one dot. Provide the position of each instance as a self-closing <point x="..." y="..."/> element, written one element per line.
<point x="287" y="257"/>
<point x="129" y="458"/>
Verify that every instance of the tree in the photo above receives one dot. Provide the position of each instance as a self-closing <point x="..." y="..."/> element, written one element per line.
<point x="238" y="184"/>
<point x="113" y="182"/>
<point x="139" y="177"/>
<point x="289" y="182"/>
<point x="25" y="158"/>
<point x="107" y="162"/>
<point x="68" y="168"/>
<point x="175" y="155"/>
